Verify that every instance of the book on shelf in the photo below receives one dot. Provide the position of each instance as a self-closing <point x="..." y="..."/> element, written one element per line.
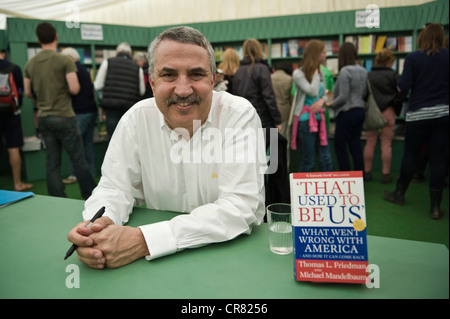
<point x="276" y="50"/>
<point x="365" y="44"/>
<point x="381" y="41"/>
<point x="301" y="46"/>
<point x="391" y="43"/>
<point x="368" y="64"/>
<point x="332" y="65"/>
<point x="293" y="47"/>
<point x="329" y="227"/>
<point x="404" y="44"/>
<point x="32" y="52"/>
<point x="101" y="55"/>
<point x="329" y="46"/>
<point x="335" y="46"/>
<point x="352" y="39"/>
<point x="371" y="43"/>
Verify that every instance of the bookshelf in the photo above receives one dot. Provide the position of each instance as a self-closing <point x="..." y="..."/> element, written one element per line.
<point x="282" y="38"/>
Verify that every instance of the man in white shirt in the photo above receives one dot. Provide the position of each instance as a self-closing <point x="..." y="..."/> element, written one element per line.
<point x="188" y="149"/>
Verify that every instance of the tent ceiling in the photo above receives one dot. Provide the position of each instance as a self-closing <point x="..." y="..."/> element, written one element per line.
<point x="50" y="9"/>
<point x="150" y="13"/>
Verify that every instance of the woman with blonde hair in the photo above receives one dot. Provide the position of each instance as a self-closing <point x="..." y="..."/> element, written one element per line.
<point x="229" y="65"/>
<point x="383" y="82"/>
<point x="307" y="115"/>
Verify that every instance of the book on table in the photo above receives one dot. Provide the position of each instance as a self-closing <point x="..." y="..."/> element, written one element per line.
<point x="329" y="227"/>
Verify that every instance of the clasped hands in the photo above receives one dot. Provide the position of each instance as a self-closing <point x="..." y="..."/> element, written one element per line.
<point x="104" y="244"/>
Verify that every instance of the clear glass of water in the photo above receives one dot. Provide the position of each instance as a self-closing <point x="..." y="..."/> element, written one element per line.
<point x="280" y="228"/>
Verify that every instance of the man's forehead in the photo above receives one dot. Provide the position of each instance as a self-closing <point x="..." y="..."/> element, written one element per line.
<point x="170" y="56"/>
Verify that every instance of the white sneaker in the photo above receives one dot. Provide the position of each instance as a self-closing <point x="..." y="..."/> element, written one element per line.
<point x="71" y="179"/>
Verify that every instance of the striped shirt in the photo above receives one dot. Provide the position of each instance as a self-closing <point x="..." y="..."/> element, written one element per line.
<point x="427" y="113"/>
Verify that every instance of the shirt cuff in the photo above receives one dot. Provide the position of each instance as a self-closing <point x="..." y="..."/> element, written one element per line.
<point x="159" y="240"/>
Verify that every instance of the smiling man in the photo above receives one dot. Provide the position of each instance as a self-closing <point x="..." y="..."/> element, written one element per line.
<point x="220" y="199"/>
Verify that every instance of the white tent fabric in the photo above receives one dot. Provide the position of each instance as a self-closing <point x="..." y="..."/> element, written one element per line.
<point x="150" y="13"/>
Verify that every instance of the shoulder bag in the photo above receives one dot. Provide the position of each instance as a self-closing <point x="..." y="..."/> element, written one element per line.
<point x="374" y="120"/>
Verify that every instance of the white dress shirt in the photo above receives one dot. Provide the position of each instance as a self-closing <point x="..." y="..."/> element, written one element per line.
<point x="144" y="163"/>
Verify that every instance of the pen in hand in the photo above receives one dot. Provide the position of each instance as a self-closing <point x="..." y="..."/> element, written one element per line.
<point x="74" y="247"/>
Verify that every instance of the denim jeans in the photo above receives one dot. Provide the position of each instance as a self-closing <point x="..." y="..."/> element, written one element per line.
<point x="86" y="123"/>
<point x="63" y="133"/>
<point x="434" y="132"/>
<point x="348" y="135"/>
<point x="310" y="146"/>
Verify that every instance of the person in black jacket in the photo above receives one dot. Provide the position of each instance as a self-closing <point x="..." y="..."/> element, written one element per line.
<point x="383" y="82"/>
<point x="252" y="81"/>
<point x="121" y="81"/>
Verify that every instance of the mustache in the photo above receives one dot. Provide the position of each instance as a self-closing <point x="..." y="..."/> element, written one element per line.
<point x="191" y="99"/>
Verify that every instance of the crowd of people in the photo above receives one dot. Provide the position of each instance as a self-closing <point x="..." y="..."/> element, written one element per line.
<point x="181" y="73"/>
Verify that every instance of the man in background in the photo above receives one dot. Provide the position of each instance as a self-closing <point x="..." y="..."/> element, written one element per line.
<point x="121" y="81"/>
<point x="11" y="126"/>
<point x="51" y="79"/>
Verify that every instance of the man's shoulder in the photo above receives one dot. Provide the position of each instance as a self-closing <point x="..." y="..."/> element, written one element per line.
<point x="225" y="100"/>
<point x="227" y="108"/>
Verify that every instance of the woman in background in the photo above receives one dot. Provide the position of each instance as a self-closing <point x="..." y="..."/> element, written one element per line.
<point x="426" y="74"/>
<point x="349" y="95"/>
<point x="229" y="65"/>
<point x="383" y="82"/>
<point x="308" y="121"/>
<point x="252" y="81"/>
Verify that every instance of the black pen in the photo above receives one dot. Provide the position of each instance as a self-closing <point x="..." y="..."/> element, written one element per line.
<point x="74" y="247"/>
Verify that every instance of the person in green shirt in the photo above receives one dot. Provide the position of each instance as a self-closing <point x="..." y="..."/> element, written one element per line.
<point x="50" y="79"/>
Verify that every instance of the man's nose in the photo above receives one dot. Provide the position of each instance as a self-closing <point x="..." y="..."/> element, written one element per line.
<point x="183" y="86"/>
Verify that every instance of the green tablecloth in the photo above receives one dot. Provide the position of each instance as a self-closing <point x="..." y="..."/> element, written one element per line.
<point x="33" y="242"/>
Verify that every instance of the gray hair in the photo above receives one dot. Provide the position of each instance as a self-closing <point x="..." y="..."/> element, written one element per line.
<point x="124" y="47"/>
<point x="71" y="52"/>
<point x="182" y="34"/>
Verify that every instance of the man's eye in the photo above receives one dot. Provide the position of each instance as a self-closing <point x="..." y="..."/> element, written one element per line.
<point x="168" y="76"/>
<point x="197" y="76"/>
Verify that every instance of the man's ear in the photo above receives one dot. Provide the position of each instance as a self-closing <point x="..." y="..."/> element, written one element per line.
<point x="152" y="84"/>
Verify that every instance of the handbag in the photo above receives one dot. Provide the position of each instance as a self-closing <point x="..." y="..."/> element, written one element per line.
<point x="374" y="120"/>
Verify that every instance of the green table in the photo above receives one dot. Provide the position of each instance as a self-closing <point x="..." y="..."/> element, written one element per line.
<point x="33" y="242"/>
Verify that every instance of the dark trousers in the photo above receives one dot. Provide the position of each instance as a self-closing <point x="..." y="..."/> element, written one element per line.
<point x="112" y="119"/>
<point x="63" y="133"/>
<point x="433" y="132"/>
<point x="347" y="138"/>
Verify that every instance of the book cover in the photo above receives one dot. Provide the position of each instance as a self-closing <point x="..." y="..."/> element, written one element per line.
<point x="329" y="227"/>
<point x="381" y="40"/>
<point x="10" y="197"/>
<point x="391" y="43"/>
<point x="293" y="47"/>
